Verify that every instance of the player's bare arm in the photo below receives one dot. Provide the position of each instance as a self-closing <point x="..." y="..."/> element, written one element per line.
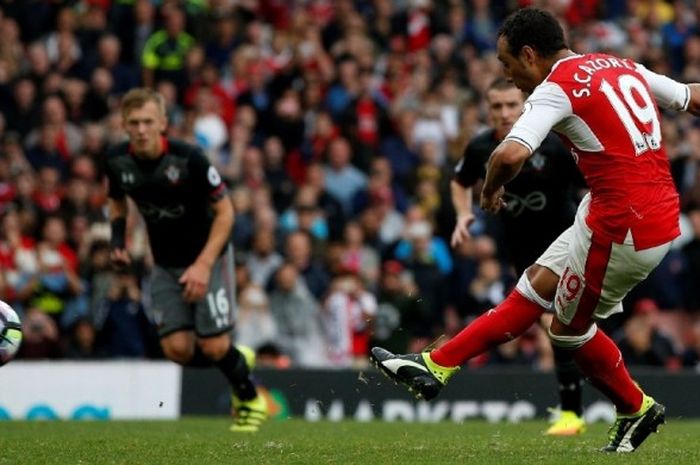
<point x="118" y="209"/>
<point x="694" y="103"/>
<point x="504" y="164"/>
<point x="462" y="202"/>
<point x="195" y="279"/>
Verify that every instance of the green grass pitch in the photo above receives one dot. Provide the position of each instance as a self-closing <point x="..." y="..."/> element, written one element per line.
<point x="207" y="441"/>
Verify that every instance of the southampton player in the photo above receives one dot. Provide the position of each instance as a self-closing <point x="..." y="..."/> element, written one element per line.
<point x="541" y="204"/>
<point x="605" y="109"/>
<point x="189" y="217"/>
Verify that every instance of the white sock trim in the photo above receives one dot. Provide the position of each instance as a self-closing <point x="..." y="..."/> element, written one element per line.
<point x="572" y="342"/>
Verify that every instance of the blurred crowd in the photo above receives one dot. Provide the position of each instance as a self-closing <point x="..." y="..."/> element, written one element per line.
<point x="336" y="125"/>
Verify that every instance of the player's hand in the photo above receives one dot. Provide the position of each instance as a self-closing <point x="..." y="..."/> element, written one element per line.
<point x="492" y="202"/>
<point x="195" y="279"/>
<point x="461" y="232"/>
<point x="120" y="258"/>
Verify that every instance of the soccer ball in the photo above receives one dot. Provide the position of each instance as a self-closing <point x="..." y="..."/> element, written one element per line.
<point x="10" y="333"/>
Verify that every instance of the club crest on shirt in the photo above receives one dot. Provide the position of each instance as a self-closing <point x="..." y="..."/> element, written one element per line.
<point x="537" y="161"/>
<point x="213" y="176"/>
<point x="172" y="172"/>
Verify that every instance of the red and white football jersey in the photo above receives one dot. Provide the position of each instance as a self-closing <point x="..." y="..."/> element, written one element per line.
<point x="605" y="110"/>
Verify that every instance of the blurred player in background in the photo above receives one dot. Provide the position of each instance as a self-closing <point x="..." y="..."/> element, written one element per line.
<point x="605" y="109"/>
<point x="541" y="204"/>
<point x="189" y="217"/>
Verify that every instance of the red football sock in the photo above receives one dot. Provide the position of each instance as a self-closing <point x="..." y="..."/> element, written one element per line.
<point x="508" y="320"/>
<point x="601" y="361"/>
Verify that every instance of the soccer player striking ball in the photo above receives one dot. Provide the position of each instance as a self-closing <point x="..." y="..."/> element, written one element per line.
<point x="605" y="110"/>
<point x="541" y="204"/>
<point x="189" y="217"/>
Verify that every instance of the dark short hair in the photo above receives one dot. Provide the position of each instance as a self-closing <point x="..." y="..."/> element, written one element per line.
<point x="535" y="28"/>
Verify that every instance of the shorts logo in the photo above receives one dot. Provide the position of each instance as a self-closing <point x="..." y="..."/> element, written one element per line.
<point x="128" y="177"/>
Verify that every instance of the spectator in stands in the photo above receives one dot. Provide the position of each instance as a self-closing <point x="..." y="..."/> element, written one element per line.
<point x="331" y="207"/>
<point x="255" y="324"/>
<point x="123" y="329"/>
<point x="403" y="318"/>
<point x="419" y="234"/>
<point x="257" y="95"/>
<point x="276" y="173"/>
<point x="48" y="193"/>
<point x="641" y="342"/>
<point x="691" y="253"/>
<point x="346" y="89"/>
<point x="58" y="290"/>
<point x="380" y="177"/>
<point x="18" y="261"/>
<point x="45" y="153"/>
<point x="347" y="314"/>
<point x="365" y="119"/>
<point x="298" y="252"/>
<point x="297" y="315"/>
<point x="359" y="257"/>
<point x="343" y="180"/>
<point x="224" y="41"/>
<point x="691" y="354"/>
<point x="39" y="64"/>
<point x="263" y="260"/>
<point x="382" y="209"/>
<point x="99" y="99"/>
<point x="11" y="49"/>
<point x="165" y="50"/>
<point x="109" y="51"/>
<point x="23" y="106"/>
<point x="41" y="337"/>
<point x="487" y="289"/>
<point x="68" y="137"/>
<point x="81" y="343"/>
<point x="306" y="215"/>
<point x="401" y="148"/>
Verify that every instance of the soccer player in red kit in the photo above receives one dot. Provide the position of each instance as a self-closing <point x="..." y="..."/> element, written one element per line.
<point x="605" y="109"/>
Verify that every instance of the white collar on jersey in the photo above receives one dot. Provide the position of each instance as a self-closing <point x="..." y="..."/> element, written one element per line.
<point x="570" y="57"/>
<point x="556" y="63"/>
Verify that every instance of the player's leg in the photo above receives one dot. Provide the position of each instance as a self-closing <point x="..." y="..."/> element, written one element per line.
<point x="425" y="374"/>
<point x="214" y="325"/>
<point x="598" y="276"/>
<point x="236" y="364"/>
<point x="568" y="419"/>
<point x="508" y="320"/>
<point x="230" y="361"/>
<point x="174" y="319"/>
<point x="600" y="361"/>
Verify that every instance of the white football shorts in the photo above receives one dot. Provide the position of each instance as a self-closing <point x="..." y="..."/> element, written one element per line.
<point x="595" y="274"/>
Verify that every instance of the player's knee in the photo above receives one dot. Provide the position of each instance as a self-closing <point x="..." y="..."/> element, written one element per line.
<point x="525" y="288"/>
<point x="214" y="348"/>
<point x="178" y="346"/>
<point x="571" y="341"/>
<point x="178" y="352"/>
